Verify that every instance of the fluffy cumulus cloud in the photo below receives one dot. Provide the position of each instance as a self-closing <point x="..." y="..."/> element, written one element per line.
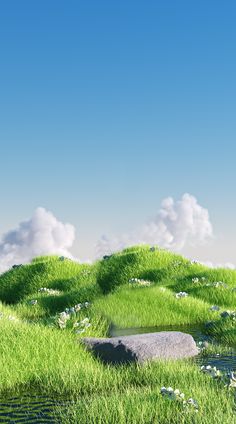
<point x="177" y="224"/>
<point x="41" y="235"/>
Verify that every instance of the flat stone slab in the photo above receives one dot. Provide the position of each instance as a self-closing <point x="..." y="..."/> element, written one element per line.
<point x="143" y="347"/>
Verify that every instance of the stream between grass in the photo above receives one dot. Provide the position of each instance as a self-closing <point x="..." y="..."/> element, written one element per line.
<point x="220" y="361"/>
<point x="29" y="408"/>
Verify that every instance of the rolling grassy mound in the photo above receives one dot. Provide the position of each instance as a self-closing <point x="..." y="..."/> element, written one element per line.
<point x="50" y="272"/>
<point x="106" y="284"/>
<point x="137" y="287"/>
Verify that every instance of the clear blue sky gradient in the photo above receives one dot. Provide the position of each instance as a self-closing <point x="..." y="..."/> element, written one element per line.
<point x="107" y="107"/>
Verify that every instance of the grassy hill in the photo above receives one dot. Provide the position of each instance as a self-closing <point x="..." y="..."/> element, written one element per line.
<point x="137" y="287"/>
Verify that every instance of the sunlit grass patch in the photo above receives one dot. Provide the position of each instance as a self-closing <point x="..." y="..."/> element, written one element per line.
<point x="151" y="306"/>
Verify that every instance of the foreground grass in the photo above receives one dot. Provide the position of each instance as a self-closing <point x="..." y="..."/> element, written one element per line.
<point x="49" y="361"/>
<point x="145" y="405"/>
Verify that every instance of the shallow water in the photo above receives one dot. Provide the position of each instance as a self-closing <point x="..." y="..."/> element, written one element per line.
<point x="222" y="361"/>
<point x="195" y="330"/>
<point x="41" y="409"/>
<point x="29" y="409"/>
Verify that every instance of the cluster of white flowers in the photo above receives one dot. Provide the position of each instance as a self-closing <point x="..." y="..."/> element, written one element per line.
<point x="48" y="291"/>
<point x="181" y="294"/>
<point x="33" y="302"/>
<point x="228" y="378"/>
<point x="70" y="313"/>
<point x="217" y="284"/>
<point x="79" y="306"/>
<point x="212" y="371"/>
<point x="9" y="317"/>
<point x="82" y="326"/>
<point x="139" y="282"/>
<point x="229" y="314"/>
<point x="202" y="345"/>
<point x="177" y="263"/>
<point x="231" y="380"/>
<point x="196" y="280"/>
<point x="176" y="395"/>
<point x="62" y="319"/>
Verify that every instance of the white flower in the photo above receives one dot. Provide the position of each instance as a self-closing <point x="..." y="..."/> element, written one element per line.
<point x="214" y="308"/>
<point x="176" y="395"/>
<point x="78" y="307"/>
<point x="195" y="280"/>
<point x="64" y="316"/>
<point x="181" y="294"/>
<point x="33" y="302"/>
<point x="219" y="284"/>
<point x="82" y="330"/>
<point x="139" y="282"/>
<point x="212" y="371"/>
<point x="48" y="291"/>
<point x="12" y="318"/>
<point x="228" y="314"/>
<point x="232" y="380"/>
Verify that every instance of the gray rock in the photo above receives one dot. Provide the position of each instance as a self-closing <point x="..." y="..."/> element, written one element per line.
<point x="143" y="347"/>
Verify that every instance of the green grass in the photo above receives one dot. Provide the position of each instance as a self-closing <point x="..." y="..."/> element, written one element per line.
<point x="16" y="284"/>
<point x="140" y="262"/>
<point x="149" y="307"/>
<point x="37" y="356"/>
<point x="53" y="362"/>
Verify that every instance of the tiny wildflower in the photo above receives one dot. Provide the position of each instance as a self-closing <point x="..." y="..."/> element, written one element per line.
<point x="178" y="396"/>
<point x="212" y="371"/>
<point x="33" y="302"/>
<point x="139" y="282"/>
<point x="214" y="308"/>
<point x="181" y="294"/>
<point x="195" y="280"/>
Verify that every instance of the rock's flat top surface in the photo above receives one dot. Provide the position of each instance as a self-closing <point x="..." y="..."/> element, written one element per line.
<point x="143" y="347"/>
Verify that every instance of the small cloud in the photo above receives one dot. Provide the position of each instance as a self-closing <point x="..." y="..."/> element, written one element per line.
<point x="177" y="224"/>
<point x="42" y="234"/>
<point x="227" y="265"/>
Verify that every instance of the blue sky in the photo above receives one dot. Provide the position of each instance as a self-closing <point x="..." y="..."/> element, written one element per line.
<point x="108" y="107"/>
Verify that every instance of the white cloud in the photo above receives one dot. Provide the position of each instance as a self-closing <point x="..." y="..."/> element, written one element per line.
<point x="41" y="235"/>
<point x="178" y="224"/>
<point x="227" y="265"/>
